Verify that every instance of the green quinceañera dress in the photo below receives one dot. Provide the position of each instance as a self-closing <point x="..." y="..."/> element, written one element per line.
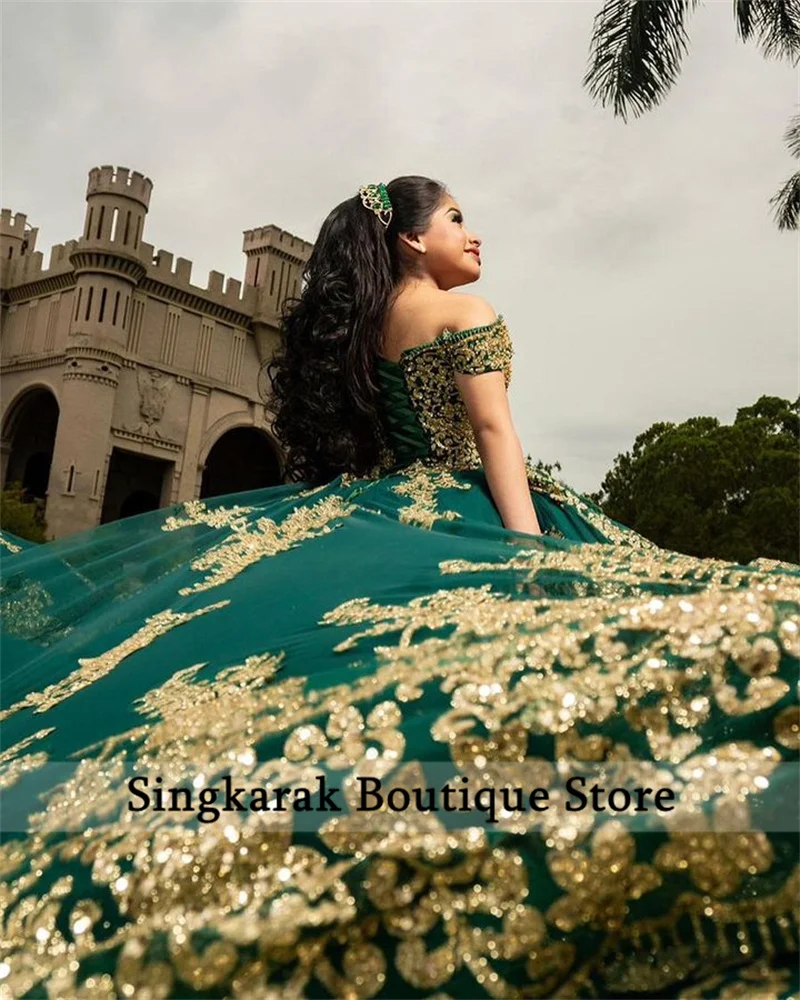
<point x="300" y="640"/>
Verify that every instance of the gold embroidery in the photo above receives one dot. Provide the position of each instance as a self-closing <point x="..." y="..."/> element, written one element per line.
<point x="13" y="766"/>
<point x="248" y="544"/>
<point x="196" y="512"/>
<point x="8" y="544"/>
<point x="754" y="982"/>
<point x="787" y="727"/>
<point x="94" y="667"/>
<point x="655" y="641"/>
<point x="428" y="372"/>
<point x="480" y="349"/>
<point x="460" y="607"/>
<point x="598" y="885"/>
<point x="422" y="485"/>
<point x="23" y="610"/>
<point x="716" y="860"/>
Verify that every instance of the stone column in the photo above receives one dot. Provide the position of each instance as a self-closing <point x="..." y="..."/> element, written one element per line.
<point x="77" y="474"/>
<point x="188" y="489"/>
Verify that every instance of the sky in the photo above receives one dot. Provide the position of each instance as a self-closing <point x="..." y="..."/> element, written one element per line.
<point x="638" y="266"/>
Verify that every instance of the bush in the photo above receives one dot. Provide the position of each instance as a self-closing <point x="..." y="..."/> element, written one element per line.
<point x="21" y="516"/>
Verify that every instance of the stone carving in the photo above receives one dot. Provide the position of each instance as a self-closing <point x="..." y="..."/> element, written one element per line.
<point x="154" y="389"/>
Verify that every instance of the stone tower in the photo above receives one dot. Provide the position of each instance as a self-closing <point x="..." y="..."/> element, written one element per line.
<point x="124" y="386"/>
<point x="107" y="270"/>
<point x="275" y="262"/>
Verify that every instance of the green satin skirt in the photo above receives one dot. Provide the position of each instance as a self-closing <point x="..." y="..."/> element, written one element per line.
<point x="309" y="639"/>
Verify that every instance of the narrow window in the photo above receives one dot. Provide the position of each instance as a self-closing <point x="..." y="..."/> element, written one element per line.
<point x="116" y="310"/>
<point x="100" y="221"/>
<point x="258" y="265"/>
<point x="114" y="220"/>
<point x="78" y="306"/>
<point x="70" y="478"/>
<point x="10" y="252"/>
<point x="89" y="302"/>
<point x="125" y="313"/>
<point x="88" y="232"/>
<point x="272" y="282"/>
<point x="138" y="233"/>
<point x="102" y="306"/>
<point x="127" y="229"/>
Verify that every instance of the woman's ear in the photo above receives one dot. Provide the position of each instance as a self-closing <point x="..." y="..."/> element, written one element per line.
<point x="412" y="240"/>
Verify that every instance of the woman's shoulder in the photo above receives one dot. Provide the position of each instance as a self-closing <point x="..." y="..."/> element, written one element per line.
<point x="467" y="311"/>
<point x="421" y="319"/>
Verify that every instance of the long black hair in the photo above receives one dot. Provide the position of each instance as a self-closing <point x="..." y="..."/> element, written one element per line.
<point x="323" y="383"/>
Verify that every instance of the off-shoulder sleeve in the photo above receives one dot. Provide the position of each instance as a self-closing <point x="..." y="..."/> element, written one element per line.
<point x="481" y="348"/>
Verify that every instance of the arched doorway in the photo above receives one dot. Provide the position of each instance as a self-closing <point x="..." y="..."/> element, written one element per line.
<point x="138" y="502"/>
<point x="29" y="436"/>
<point x="135" y="484"/>
<point x="242" y="459"/>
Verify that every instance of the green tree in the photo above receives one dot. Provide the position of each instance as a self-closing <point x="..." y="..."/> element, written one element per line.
<point x="711" y="489"/>
<point x="22" y="517"/>
<point x="636" y="52"/>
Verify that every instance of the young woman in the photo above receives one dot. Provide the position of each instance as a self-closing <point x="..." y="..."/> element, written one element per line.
<point x="422" y="721"/>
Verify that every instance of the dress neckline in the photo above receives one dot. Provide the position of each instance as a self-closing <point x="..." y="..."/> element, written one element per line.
<point x="446" y="334"/>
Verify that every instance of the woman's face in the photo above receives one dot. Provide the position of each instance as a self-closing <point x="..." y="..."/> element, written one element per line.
<point x="451" y="251"/>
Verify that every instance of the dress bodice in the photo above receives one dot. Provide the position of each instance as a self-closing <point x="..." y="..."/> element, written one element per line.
<point x="422" y="411"/>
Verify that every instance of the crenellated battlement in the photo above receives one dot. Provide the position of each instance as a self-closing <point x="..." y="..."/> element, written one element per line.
<point x="162" y="266"/>
<point x="111" y="244"/>
<point x="30" y="268"/>
<point x="12" y="225"/>
<point x="120" y="181"/>
<point x="274" y="238"/>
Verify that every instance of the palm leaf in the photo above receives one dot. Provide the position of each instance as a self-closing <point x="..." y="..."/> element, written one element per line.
<point x="792" y="137"/>
<point x="636" y="52"/>
<point x="787" y="204"/>
<point x="774" y="24"/>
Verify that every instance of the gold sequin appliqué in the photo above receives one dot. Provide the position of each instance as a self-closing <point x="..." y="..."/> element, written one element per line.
<point x="247" y="544"/>
<point x="92" y="668"/>
<point x="422" y="485"/>
<point x="23" y="610"/>
<point x="653" y="644"/>
<point x="6" y="543"/>
<point x="429" y="370"/>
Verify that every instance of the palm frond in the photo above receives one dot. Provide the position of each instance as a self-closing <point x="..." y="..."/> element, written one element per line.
<point x="787" y="204"/>
<point x="792" y="136"/>
<point x="635" y="52"/>
<point x="773" y="24"/>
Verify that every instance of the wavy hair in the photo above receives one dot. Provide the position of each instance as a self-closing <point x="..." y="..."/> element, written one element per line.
<point x="324" y="390"/>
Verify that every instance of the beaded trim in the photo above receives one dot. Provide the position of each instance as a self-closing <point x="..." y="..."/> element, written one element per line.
<point x="444" y="336"/>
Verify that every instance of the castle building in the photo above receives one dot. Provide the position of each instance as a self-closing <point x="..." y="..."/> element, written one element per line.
<point x="123" y="386"/>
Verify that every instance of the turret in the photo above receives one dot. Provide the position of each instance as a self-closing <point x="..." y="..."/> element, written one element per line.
<point x="275" y="262"/>
<point x="107" y="265"/>
<point x="117" y="201"/>
<point x="106" y="258"/>
<point x="17" y="238"/>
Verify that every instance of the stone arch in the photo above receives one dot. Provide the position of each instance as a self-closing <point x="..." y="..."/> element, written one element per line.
<point x="138" y="502"/>
<point x="238" y="455"/>
<point x="28" y="438"/>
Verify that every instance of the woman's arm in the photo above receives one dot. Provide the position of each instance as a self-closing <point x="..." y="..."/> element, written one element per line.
<point x="486" y="401"/>
<point x="504" y="465"/>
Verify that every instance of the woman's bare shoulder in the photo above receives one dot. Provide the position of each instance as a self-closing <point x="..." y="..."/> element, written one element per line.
<point x="467" y="311"/>
<point x="421" y="318"/>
